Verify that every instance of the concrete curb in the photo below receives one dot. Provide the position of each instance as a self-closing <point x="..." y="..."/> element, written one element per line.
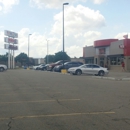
<point x="126" y="79"/>
<point x="112" y="78"/>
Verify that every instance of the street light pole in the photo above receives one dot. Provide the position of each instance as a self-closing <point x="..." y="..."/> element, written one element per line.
<point x="47" y="52"/>
<point x="28" y="47"/>
<point x="63" y="32"/>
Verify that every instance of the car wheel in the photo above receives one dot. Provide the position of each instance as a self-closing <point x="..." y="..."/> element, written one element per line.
<point x="53" y="69"/>
<point x="44" y="69"/>
<point x="78" y="72"/>
<point x="1" y="69"/>
<point x="101" y="73"/>
<point x="71" y="73"/>
<point x="60" y="70"/>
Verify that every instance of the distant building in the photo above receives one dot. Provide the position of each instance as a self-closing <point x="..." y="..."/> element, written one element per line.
<point x="109" y="52"/>
<point x="39" y="61"/>
<point x="78" y="59"/>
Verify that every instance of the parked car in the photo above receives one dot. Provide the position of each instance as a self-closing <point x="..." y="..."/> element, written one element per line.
<point x="44" y="67"/>
<point x="52" y="65"/>
<point x="68" y="65"/>
<point x="3" y="67"/>
<point x="38" y="67"/>
<point x="89" y="69"/>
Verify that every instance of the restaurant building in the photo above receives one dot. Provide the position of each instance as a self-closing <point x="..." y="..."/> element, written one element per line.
<point x="109" y="53"/>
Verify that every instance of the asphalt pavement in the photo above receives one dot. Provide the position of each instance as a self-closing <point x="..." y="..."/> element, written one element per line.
<point x="41" y="100"/>
<point x="113" y="75"/>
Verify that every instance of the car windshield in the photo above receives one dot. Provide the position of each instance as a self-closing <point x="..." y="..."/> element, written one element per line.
<point x="41" y="65"/>
<point x="67" y="63"/>
<point x="46" y="64"/>
<point x="57" y="62"/>
<point x="82" y="66"/>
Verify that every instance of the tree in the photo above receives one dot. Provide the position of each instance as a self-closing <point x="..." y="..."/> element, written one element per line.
<point x="50" y="58"/>
<point x="4" y="58"/>
<point x="22" y="58"/>
<point x="60" y="55"/>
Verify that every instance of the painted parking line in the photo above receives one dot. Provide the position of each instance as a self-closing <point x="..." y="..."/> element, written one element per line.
<point x="24" y="88"/>
<point x="41" y="101"/>
<point x="9" y="94"/>
<point x="57" y="115"/>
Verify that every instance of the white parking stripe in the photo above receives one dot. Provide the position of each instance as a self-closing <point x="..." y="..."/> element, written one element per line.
<point x="57" y="115"/>
<point x="40" y="101"/>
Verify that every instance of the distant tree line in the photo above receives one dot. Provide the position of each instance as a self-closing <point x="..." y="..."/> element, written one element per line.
<point x="4" y="59"/>
<point x="58" y="56"/>
<point x="23" y="59"/>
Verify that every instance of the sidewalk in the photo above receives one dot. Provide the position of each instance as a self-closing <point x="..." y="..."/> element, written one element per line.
<point x="119" y="74"/>
<point x="116" y="76"/>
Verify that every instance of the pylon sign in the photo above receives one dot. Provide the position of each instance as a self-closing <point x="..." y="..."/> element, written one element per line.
<point x="11" y="47"/>
<point x="11" y="40"/>
<point x="11" y="34"/>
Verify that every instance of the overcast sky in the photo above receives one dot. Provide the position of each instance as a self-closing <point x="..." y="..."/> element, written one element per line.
<point x="85" y="21"/>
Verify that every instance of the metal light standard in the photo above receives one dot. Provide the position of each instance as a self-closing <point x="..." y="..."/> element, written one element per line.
<point x="47" y="52"/>
<point x="28" y="47"/>
<point x="63" y="32"/>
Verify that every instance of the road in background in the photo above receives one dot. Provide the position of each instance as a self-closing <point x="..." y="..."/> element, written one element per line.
<point x="39" y="100"/>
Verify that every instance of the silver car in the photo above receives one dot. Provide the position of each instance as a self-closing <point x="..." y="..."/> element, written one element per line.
<point x="38" y="67"/>
<point x="88" y="69"/>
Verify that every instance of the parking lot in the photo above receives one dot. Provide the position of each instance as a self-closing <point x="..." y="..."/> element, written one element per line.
<point x="42" y="100"/>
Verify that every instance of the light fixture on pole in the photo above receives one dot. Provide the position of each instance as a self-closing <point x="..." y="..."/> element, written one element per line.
<point x="28" y="47"/>
<point x="63" y="32"/>
<point x="47" y="52"/>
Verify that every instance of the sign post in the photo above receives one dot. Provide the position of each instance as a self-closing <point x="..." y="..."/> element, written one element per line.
<point x="11" y="40"/>
<point x="9" y="57"/>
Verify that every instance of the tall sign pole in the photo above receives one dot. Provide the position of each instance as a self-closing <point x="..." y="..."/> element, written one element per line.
<point x="28" y="48"/>
<point x="47" y="61"/>
<point x="11" y="39"/>
<point x="13" y="57"/>
<point x="9" y="57"/>
<point x="63" y="33"/>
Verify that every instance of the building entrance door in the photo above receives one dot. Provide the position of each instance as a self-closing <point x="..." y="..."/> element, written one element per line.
<point x="102" y="61"/>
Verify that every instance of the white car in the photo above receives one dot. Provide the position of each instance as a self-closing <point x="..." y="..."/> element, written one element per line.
<point x="3" y="67"/>
<point x="88" y="69"/>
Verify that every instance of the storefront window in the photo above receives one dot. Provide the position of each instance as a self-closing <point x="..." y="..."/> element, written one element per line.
<point x="118" y="60"/>
<point x="89" y="61"/>
<point x="102" y="51"/>
<point x="115" y="60"/>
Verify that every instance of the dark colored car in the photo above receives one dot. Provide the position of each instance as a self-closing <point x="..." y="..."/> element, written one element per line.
<point x="51" y="66"/>
<point x="68" y="65"/>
